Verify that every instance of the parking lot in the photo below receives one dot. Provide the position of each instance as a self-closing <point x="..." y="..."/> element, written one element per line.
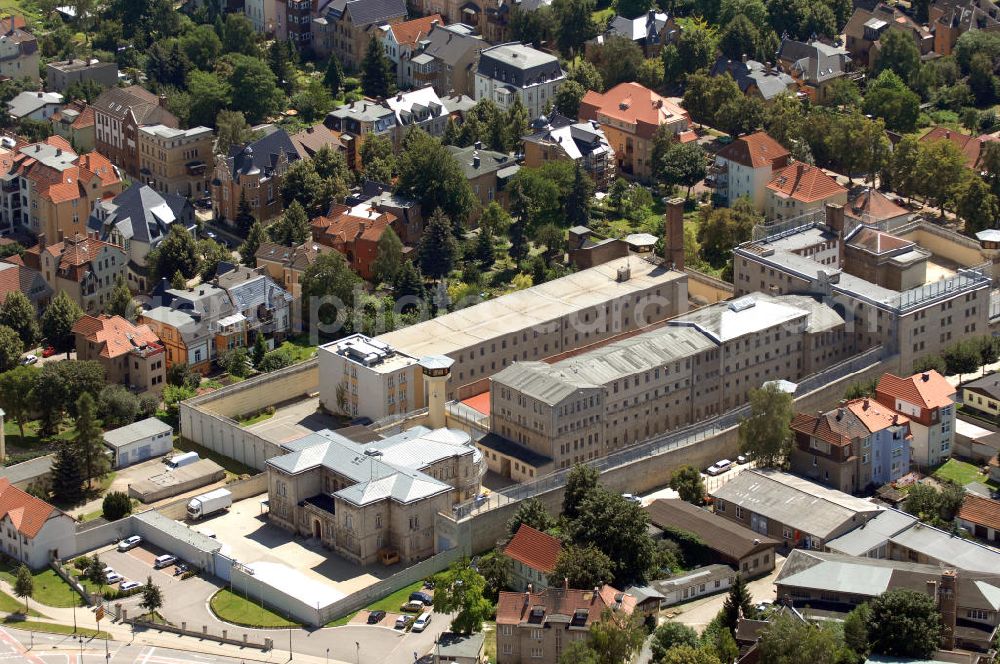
<point x="137" y="564"/>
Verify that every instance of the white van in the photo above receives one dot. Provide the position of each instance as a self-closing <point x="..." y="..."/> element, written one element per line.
<point x="181" y="460"/>
<point x="719" y="467"/>
<point x="421" y="623"/>
<point x="166" y="560"/>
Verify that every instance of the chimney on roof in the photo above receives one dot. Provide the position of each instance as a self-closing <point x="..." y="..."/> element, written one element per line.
<point x="530" y="588"/>
<point x="925" y="376"/>
<point x="41" y="242"/>
<point x="475" y="159"/>
<point x="865" y="405"/>
<point x="435" y="23"/>
<point x="40" y="93"/>
<point x="59" y="235"/>
<point x="58" y="152"/>
<point x="743" y="58"/>
<point x="478" y="145"/>
<point x="162" y="101"/>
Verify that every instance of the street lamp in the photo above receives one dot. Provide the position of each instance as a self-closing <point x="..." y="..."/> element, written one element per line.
<point x="357" y="651"/>
<point x="327" y="656"/>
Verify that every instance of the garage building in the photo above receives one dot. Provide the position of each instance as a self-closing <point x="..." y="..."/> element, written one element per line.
<point x="139" y="441"/>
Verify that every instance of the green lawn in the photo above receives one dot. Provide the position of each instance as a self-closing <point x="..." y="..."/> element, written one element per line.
<point x="10" y="604"/>
<point x="960" y="472"/>
<point x="254" y="419"/>
<point x="601" y="16"/>
<point x="233" y="608"/>
<point x="299" y="348"/>
<point x="490" y="643"/>
<point x="52" y="628"/>
<point x="50" y="589"/>
<point x="389" y="604"/>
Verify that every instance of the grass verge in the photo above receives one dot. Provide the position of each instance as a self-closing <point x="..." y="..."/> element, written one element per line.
<point x="299" y="348"/>
<point x="389" y="603"/>
<point x="50" y="589"/>
<point x="254" y="419"/>
<point x="52" y="628"/>
<point x="13" y="605"/>
<point x="233" y="608"/>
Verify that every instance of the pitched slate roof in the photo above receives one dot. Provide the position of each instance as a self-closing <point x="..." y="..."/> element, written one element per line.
<point x="448" y="45"/>
<point x="27" y="513"/>
<point x="142" y="214"/>
<point x="367" y="12"/>
<point x="263" y="154"/>
<point x="805" y="183"/>
<point x="28" y="102"/>
<point x="815" y="61"/>
<point x="756" y="150"/>
<point x="770" y="83"/>
<point x="927" y="390"/>
<point x="518" y="65"/>
<point x="296" y="258"/>
<point x="115" y="335"/>
<point x="980" y="511"/>
<point x="143" y="104"/>
<point x="250" y="288"/>
<point x="533" y="548"/>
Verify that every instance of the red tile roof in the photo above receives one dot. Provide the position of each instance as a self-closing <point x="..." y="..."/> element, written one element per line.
<point x="340" y="227"/>
<point x="408" y="33"/>
<point x="73" y="255"/>
<point x="980" y="511"/>
<point x="115" y="335"/>
<point x="877" y="242"/>
<point x="927" y="390"/>
<point x="27" y="513"/>
<point x="971" y="147"/>
<point x="804" y="183"/>
<point x="873" y="206"/>
<point x="633" y="104"/>
<point x="535" y="608"/>
<point x="534" y="548"/>
<point x="876" y="416"/>
<point x="756" y="151"/>
<point x="69" y="184"/>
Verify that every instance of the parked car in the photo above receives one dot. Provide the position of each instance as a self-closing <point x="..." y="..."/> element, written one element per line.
<point x="180" y="568"/>
<point x="420" y="596"/>
<point x="401" y="622"/>
<point x="49" y="351"/>
<point x="129" y="585"/>
<point x="742" y="459"/>
<point x="210" y="235"/>
<point x="631" y="497"/>
<point x="719" y="467"/>
<point x="129" y="543"/>
<point x="375" y="617"/>
<point x="421" y="623"/>
<point x="29" y="359"/>
<point x="412" y="607"/>
<point x="166" y="560"/>
<point x="113" y="576"/>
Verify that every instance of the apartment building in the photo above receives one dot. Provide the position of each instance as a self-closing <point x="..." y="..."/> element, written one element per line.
<point x="860" y="445"/>
<point x="19" y="54"/>
<point x="372" y="501"/>
<point x="950" y="19"/>
<point x="254" y="171"/>
<point x="264" y="305"/>
<point x="630" y="115"/>
<point x="934" y="306"/>
<point x="800" y="188"/>
<point x="400" y="40"/>
<point x="75" y="123"/>
<point x="355" y="232"/>
<point x="445" y="59"/>
<point x="361" y="376"/>
<point x="533" y="556"/>
<point x="701" y="364"/>
<point x="286" y="265"/>
<point x="263" y="15"/>
<point x="546" y="320"/>
<point x="928" y="400"/>
<point x="195" y="325"/>
<point x="85" y="268"/>
<point x="514" y="70"/>
<point x="297" y="26"/>
<point x="487" y="17"/>
<point x="746" y="166"/>
<point x="345" y="27"/>
<point x="558" y="138"/>
<point x="538" y="626"/>
<point x="61" y="74"/>
<point x="814" y="66"/>
<point x="118" y="115"/>
<point x="131" y="354"/>
<point x="176" y="161"/>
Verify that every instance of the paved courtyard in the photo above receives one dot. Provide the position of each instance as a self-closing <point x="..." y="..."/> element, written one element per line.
<point x="294" y="420"/>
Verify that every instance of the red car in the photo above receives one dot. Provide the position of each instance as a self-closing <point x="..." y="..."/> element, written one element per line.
<point x="49" y="351"/>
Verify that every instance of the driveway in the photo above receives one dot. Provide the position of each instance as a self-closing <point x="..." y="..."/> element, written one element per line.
<point x="699" y="613"/>
<point x="123" y="478"/>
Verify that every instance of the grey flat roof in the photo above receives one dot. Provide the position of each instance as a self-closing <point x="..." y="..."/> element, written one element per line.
<point x="460" y="645"/>
<point x="872" y="534"/>
<point x="698" y="575"/>
<point x="951" y="549"/>
<point x="136" y="431"/>
<point x="28" y="470"/>
<point x="179" y="531"/>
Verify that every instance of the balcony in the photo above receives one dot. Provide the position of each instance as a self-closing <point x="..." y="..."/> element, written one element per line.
<point x="195" y="168"/>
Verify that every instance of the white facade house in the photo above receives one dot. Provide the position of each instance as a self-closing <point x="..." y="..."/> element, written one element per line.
<point x="31" y="105"/>
<point x="509" y="71"/>
<point x="744" y="167"/>
<point x="31" y="530"/>
<point x="139" y="441"/>
<point x="363" y="377"/>
<point x="698" y="582"/>
<point x="263" y="15"/>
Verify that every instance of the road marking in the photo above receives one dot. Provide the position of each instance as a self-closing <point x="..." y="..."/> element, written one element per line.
<point x="145" y="660"/>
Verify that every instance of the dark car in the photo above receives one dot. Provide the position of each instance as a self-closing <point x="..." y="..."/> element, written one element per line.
<point x="375" y="617"/>
<point x="419" y="596"/>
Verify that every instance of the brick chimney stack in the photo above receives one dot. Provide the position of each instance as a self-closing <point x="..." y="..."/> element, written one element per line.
<point x="835" y="220"/>
<point x="948" y="606"/>
<point x="673" y="233"/>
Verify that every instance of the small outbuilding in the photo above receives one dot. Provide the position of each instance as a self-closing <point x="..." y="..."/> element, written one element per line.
<point x="139" y="441"/>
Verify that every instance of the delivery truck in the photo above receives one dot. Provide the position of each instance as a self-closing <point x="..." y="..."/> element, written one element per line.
<point x="209" y="503"/>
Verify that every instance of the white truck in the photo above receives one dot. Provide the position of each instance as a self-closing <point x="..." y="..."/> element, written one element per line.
<point x="209" y="503"/>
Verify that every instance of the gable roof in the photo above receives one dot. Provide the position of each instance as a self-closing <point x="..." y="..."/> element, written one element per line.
<point x="718" y="533"/>
<point x="805" y="183"/>
<point x="408" y="33"/>
<point x="73" y="255"/>
<point x="971" y="147"/>
<point x="142" y="214"/>
<point x="296" y="258"/>
<point x="877" y="242"/>
<point x="756" y="150"/>
<point x="310" y="140"/>
<point x="927" y="390"/>
<point x="143" y="104"/>
<point x="367" y="12"/>
<point x="582" y="607"/>
<point x="15" y="276"/>
<point x="980" y="511"/>
<point x="115" y="335"/>
<point x="263" y="154"/>
<point x="769" y="82"/>
<point x="27" y="513"/>
<point x="533" y="548"/>
<point x="814" y="61"/>
<point x="634" y="104"/>
<point x="447" y="44"/>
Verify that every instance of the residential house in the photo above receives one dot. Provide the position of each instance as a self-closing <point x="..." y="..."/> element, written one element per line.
<point x="61" y="74"/>
<point x="650" y="31"/>
<point x="31" y="105"/>
<point x="361" y="377"/>
<point x="813" y="65"/>
<point x="118" y="115"/>
<point x="344" y="27"/>
<point x="445" y="58"/>
<point x="19" y="54"/>
<point x="981" y="517"/>
<point x="489" y="18"/>
<point x="969" y="602"/>
<point x="137" y="220"/>
<point x="755" y="79"/>
<point x="699" y="582"/>
<point x="139" y="441"/>
<point x="928" y="400"/>
<point x="790" y="509"/>
<point x="487" y="172"/>
<point x="375" y="500"/>
<point x="400" y="40"/>
<point x="860" y="444"/>
<point x="264" y="304"/>
<point x="354" y="232"/>
<point x="630" y="114"/>
<point x="263" y="15"/>
<point x="744" y="550"/>
<point x="873" y="208"/>
<point x="33" y="531"/>
<point x="539" y="626"/>
<point x="312" y="139"/>
<point x="533" y="555"/>
<point x="297" y="24"/>
<point x="85" y="268"/>
<point x="983" y="395"/>
<point x="971" y="147"/>
<point x="864" y="30"/>
<point x="19" y="277"/>
<point x="515" y="70"/>
<point x="195" y="325"/>
<point x="557" y="137"/>
<point x="409" y="224"/>
<point x="130" y="354"/>
<point x="254" y="171"/>
<point x="286" y="265"/>
<point x="175" y="161"/>
<point x="75" y="123"/>
<point x="746" y="166"/>
<point x="950" y="19"/>
<point x="799" y="188"/>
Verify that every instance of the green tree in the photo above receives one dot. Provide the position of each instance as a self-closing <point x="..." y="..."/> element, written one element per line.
<point x="856" y="631"/>
<point x="259" y="350"/>
<point x="255" y="238"/>
<point x="281" y="60"/>
<point x="59" y="384"/>
<point x="940" y="169"/>
<point x="438" y="251"/>
<point x="236" y="362"/>
<point x="58" y="320"/>
<point x="238" y="35"/>
<point x="178" y="252"/>
<point x="765" y="433"/>
<point x="333" y="78"/>
<point x="618" y="60"/>
<point x="687" y="482"/>
<point x="254" y="88"/>
<point x="496" y="570"/>
<point x="120" y="302"/>
<point x="899" y="54"/>
<point x="211" y="255"/>
<point x="631" y="550"/>
<point x="209" y="95"/>
<point x="515" y="125"/>
<point x="790" y="641"/>
<point x="719" y="640"/>
<point x="586" y="74"/>
<point x="376" y="70"/>
<point x="152" y="596"/>
<point x="11" y="348"/>
<point x="581" y="482"/>
<point x="202" y="46"/>
<point x="843" y="92"/>
<point x="576" y="23"/>
<point x="329" y="276"/>
<point x="687" y="654"/>
<point x="89" y="440"/>
<point x="19" y="314"/>
<point x="721" y="229"/>
<point x="670" y="635"/>
<point x="178" y="282"/>
<point x="904" y="623"/>
<point x="116" y="505"/>
<point x="618" y="636"/>
<point x="274" y="360"/>
<point x="582" y="567"/>
<point x="568" y="98"/>
<point x="17" y="397"/>
<point x="484" y="251"/>
<point x="681" y="164"/>
<point x="292" y="229"/>
<point x="531" y="512"/>
<point x="983" y="81"/>
<point x="429" y="174"/>
<point x="632" y="8"/>
<point x="535" y="26"/>
<point x="739" y="38"/>
<point x="888" y="97"/>
<point x="388" y="257"/>
<point x="579" y="651"/>
<point x="976" y="205"/>
<point x="244" y="214"/>
<point x="904" y="166"/>
<point x="67" y="475"/>
<point x="313" y="101"/>
<point x="461" y="590"/>
<point x="738" y="602"/>
<point x="704" y="95"/>
<point x="409" y="283"/>
<point x="962" y="358"/>
<point x="232" y="129"/>
<point x="118" y="406"/>
<point x="24" y="585"/>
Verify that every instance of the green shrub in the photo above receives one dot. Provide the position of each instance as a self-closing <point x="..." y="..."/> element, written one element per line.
<point x="116" y="505"/>
<point x="82" y="563"/>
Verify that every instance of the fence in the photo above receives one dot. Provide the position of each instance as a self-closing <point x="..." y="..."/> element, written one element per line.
<point x="224" y="637"/>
